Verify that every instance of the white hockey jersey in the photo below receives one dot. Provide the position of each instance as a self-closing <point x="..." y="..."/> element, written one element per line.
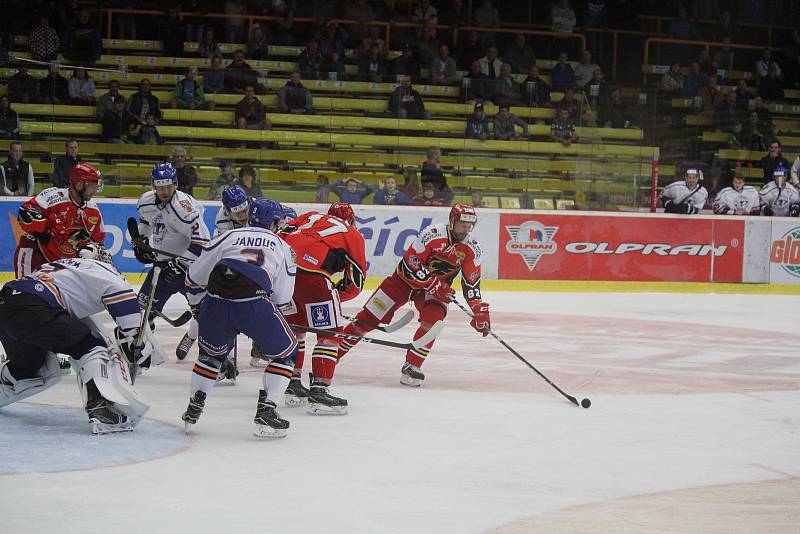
<point x="779" y="200"/>
<point x="224" y="222"/>
<point x="256" y="253"/>
<point x="729" y="201"/>
<point x="680" y="193"/>
<point x="175" y="227"/>
<point x="84" y="287"/>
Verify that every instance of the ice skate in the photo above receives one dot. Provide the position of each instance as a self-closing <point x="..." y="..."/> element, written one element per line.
<point x="269" y="424"/>
<point x="411" y="375"/>
<point x="195" y="408"/>
<point x="296" y="393"/>
<point x="323" y="403"/>
<point x="104" y="419"/>
<point x="184" y="347"/>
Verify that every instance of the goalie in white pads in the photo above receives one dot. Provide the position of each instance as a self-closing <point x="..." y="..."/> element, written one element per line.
<point x="246" y="273"/>
<point x="737" y="199"/>
<point x="49" y="312"/>
<point x="686" y="196"/>
<point x="778" y="197"/>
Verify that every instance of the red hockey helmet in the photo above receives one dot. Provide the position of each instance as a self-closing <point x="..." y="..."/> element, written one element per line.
<point x="464" y="213"/>
<point x="83" y="172"/>
<point x="343" y="211"/>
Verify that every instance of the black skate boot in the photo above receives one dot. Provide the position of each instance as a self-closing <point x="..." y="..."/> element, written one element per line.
<point x="411" y="375"/>
<point x="196" y="404"/>
<point x="269" y="424"/>
<point x="184" y="346"/>
<point x="104" y="419"/>
<point x="323" y="403"/>
<point x="296" y="393"/>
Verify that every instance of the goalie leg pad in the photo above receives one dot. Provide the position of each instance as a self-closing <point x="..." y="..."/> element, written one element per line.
<point x="13" y="390"/>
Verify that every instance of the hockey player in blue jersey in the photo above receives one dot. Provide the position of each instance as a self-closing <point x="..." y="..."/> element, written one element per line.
<point x="234" y="212"/>
<point x="246" y="273"/>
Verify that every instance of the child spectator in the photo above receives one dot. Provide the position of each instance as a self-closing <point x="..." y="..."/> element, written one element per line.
<point x="428" y="196"/>
<point x="477" y="124"/>
<point x="116" y="123"/>
<point x="563" y="128"/>
<point x="188" y="93"/>
<point x="351" y="190"/>
<point x="214" y="77"/>
<point x="147" y="133"/>
<point x="388" y="194"/>
<point x="250" y="112"/>
<point x="504" y="123"/>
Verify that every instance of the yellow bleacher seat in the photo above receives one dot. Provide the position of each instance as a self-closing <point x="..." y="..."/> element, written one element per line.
<point x="491" y="201"/>
<point x="200" y="192"/>
<point x="565" y="204"/>
<point x="132" y="191"/>
<point x="543" y="203"/>
<point x="509" y="202"/>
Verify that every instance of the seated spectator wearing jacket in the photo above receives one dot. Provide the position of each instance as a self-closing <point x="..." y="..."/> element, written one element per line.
<point x="250" y="112"/>
<point x="506" y="89"/>
<point x="143" y="102"/>
<point x="351" y="190"/>
<point x="406" y="103"/>
<point x="293" y="97"/>
<point x="535" y="91"/>
<point x="477" y="124"/>
<point x="17" y="174"/>
<point x="520" y="55"/>
<point x="563" y="128"/>
<point x="258" y="44"/>
<point x="147" y="133"/>
<point x="106" y="101"/>
<point x="184" y="171"/>
<point x="81" y="88"/>
<point x="214" y="77"/>
<point x="22" y="87"/>
<point x="427" y="197"/>
<point x="562" y="74"/>
<point x="82" y="42"/>
<point x="239" y="74"/>
<point x="9" y="120"/>
<point x="54" y="88"/>
<point x="387" y="193"/>
<point x="504" y="123"/>
<point x="431" y="173"/>
<point x="188" y="93"/>
<point x="372" y="67"/>
<point x="310" y="61"/>
<point x="475" y="86"/>
<point x="117" y="123"/>
<point x="490" y="63"/>
<point x="405" y="64"/>
<point x="443" y="67"/>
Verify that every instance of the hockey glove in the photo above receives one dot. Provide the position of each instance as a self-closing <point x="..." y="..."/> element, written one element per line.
<point x="441" y="291"/>
<point x="480" y="320"/>
<point x="444" y="262"/>
<point x="56" y="225"/>
<point x="768" y="211"/>
<point x="669" y="206"/>
<point x="143" y="255"/>
<point x="794" y="210"/>
<point x="173" y="270"/>
<point x="126" y="339"/>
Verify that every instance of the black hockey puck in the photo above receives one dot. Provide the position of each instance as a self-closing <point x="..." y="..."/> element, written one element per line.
<point x="586" y="403"/>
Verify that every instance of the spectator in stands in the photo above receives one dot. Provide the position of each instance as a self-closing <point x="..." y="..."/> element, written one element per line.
<point x="209" y="47"/>
<point x="234" y="25"/>
<point x="584" y="71"/>
<point x="477" y="124"/>
<point x="562" y="17"/>
<point x="754" y="134"/>
<point x="428" y="196"/>
<point x="388" y="194"/>
<point x="172" y="33"/>
<point x="371" y="66"/>
<point x="53" y="89"/>
<point x="293" y="97"/>
<point x="250" y="112"/>
<point x="504" y="125"/>
<point x="373" y="38"/>
<point x="116" y="124"/>
<point x="427" y="47"/>
<point x="431" y="173"/>
<point x="682" y="28"/>
<point x="443" y="67"/>
<point x="410" y="182"/>
<point x="506" y="89"/>
<point x="334" y="66"/>
<point x="225" y="179"/>
<point x="743" y="95"/>
<point x="726" y="115"/>
<point x="143" y="102"/>
<point x="469" y="49"/>
<point x="332" y="39"/>
<point x="475" y="85"/>
<point x="214" y="77"/>
<point x="773" y="159"/>
<point x="188" y="93"/>
<point x="106" y="101"/>
<point x="694" y="81"/>
<point x="563" y="128"/>
<point x="491" y="64"/>
<point x="426" y="14"/>
<point x="351" y="190"/>
<point x="22" y="87"/>
<point x="249" y="181"/>
<point x="9" y="120"/>
<point x="43" y="41"/>
<point x="62" y="165"/>
<point x="82" y="43"/>
<point x="323" y="189"/>
<point x="707" y="66"/>
<point x="309" y="62"/>
<point x="239" y="74"/>
<point x="562" y="74"/>
<point x="520" y="55"/>
<point x="596" y="91"/>
<point x="771" y="87"/>
<point x="17" y="173"/>
<point x="764" y="115"/>
<point x="672" y="80"/>
<point x="406" y="103"/>
<point x="258" y="45"/>
<point x="186" y="174"/>
<point x="711" y="96"/>
<point x="615" y="113"/>
<point x="405" y="65"/>
<point x="534" y="90"/>
<point x="81" y="88"/>
<point x="763" y="65"/>
<point x="571" y="103"/>
<point x="147" y="133"/>
<point x="476" y="199"/>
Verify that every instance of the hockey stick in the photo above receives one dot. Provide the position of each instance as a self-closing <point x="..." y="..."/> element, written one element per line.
<point x="138" y="241"/>
<point x="389" y="328"/>
<point x="585" y="403"/>
<point x="181" y="320"/>
<point x="414" y="345"/>
<point x="145" y="318"/>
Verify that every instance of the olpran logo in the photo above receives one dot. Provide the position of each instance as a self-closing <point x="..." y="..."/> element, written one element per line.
<point x="786" y="252"/>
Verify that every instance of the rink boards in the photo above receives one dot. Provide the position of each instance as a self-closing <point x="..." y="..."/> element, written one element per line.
<point x="527" y="245"/>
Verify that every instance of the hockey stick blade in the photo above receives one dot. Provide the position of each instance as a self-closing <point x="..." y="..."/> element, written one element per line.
<point x="138" y="241"/>
<point x="389" y="328"/>
<point x="429" y="336"/>
<point x="181" y="320"/>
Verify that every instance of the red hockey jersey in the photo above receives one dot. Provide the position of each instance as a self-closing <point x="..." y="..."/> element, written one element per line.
<point x="80" y="223"/>
<point x="420" y="265"/>
<point x="325" y="244"/>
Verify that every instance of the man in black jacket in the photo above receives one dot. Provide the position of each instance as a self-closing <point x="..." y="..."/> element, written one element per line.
<point x="406" y="103"/>
<point x="143" y="102"/>
<point x="63" y="164"/>
<point x="17" y="173"/>
<point x="773" y="159"/>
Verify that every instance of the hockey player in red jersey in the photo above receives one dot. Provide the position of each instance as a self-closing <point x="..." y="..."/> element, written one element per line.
<point x="325" y="245"/>
<point x="424" y="276"/>
<point x="59" y="222"/>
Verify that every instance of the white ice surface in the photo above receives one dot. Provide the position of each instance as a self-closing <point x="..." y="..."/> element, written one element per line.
<point x="687" y="391"/>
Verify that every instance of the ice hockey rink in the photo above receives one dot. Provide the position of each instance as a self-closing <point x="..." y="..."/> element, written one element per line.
<point x="694" y="428"/>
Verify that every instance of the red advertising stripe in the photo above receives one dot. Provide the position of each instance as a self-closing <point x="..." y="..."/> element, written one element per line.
<point x="603" y="247"/>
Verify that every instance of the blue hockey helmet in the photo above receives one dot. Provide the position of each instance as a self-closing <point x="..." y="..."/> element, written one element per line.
<point x="264" y="212"/>
<point x="289" y="213"/>
<point x="779" y="174"/>
<point x="163" y="174"/>
<point x="235" y="199"/>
